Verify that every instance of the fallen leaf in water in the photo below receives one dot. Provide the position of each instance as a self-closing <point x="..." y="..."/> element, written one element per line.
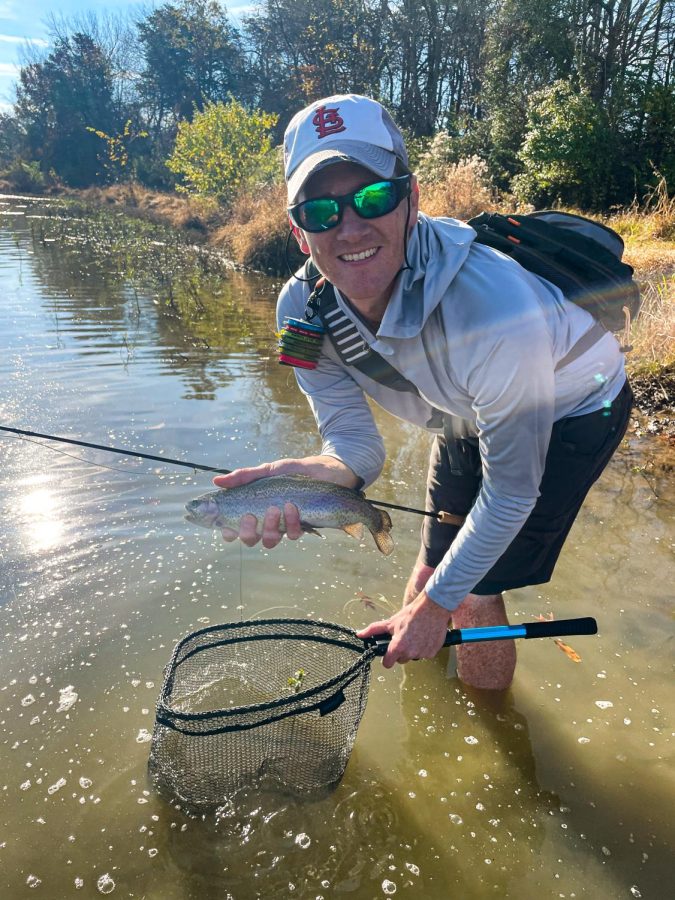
<point x="566" y="649"/>
<point x="367" y="601"/>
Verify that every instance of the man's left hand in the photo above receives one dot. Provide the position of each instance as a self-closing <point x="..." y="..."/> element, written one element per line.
<point x="417" y="630"/>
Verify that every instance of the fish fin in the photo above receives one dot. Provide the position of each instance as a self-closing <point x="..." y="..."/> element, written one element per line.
<point x="382" y="537"/>
<point x="355" y="530"/>
<point x="384" y="542"/>
<point x="310" y="529"/>
<point x="385" y="520"/>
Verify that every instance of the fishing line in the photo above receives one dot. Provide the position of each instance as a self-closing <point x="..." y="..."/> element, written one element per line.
<point x="88" y="462"/>
<point x="441" y="516"/>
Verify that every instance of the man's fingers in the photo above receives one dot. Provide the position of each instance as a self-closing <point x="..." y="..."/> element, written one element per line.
<point x="270" y="532"/>
<point x="248" y="533"/>
<point x="242" y="476"/>
<point x="292" y="519"/>
<point x="381" y="627"/>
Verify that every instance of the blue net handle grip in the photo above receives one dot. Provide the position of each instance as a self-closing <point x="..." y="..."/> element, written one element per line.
<point x="555" y="628"/>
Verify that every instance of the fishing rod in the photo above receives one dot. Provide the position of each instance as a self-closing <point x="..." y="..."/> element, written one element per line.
<point x="447" y="518"/>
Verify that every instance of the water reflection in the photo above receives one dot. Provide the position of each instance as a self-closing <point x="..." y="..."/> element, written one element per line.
<point x="40" y="516"/>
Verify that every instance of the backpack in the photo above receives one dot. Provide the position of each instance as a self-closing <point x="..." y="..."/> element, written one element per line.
<point x="581" y="257"/>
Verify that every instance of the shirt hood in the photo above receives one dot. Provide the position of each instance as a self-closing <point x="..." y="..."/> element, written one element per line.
<point x="436" y="250"/>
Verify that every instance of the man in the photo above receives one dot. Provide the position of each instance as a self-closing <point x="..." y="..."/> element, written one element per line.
<point x="481" y="339"/>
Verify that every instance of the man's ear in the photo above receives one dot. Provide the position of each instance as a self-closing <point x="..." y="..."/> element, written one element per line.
<point x="414" y="200"/>
<point x="300" y="238"/>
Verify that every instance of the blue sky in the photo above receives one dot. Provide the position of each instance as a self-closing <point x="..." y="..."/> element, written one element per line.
<point x="26" y="20"/>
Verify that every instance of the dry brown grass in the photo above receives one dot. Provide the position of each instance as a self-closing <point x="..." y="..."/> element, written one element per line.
<point x="176" y="210"/>
<point x="460" y="191"/>
<point x="648" y="231"/>
<point x="256" y="230"/>
<point x="652" y="335"/>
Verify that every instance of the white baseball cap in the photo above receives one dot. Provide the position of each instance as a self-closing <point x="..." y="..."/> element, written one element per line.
<point x="342" y="128"/>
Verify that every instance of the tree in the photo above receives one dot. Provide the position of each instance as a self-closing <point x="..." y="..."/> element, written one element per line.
<point x="223" y="149"/>
<point x="118" y="147"/>
<point x="11" y="140"/>
<point x="305" y="49"/>
<point x="192" y="56"/>
<point x="437" y="68"/>
<point x="57" y="99"/>
<point x="568" y="153"/>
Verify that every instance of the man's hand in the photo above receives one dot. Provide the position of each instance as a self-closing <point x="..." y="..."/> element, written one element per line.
<point x="417" y="630"/>
<point x="323" y="468"/>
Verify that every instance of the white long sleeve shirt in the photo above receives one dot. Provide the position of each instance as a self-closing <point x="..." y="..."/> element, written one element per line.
<point x="480" y="338"/>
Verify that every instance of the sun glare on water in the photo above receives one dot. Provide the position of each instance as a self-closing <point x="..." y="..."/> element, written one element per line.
<point x="43" y="524"/>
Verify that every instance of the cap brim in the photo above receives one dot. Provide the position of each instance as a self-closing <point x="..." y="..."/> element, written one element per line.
<point x="378" y="160"/>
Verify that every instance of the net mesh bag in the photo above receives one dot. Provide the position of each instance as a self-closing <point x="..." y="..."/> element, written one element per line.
<point x="272" y="703"/>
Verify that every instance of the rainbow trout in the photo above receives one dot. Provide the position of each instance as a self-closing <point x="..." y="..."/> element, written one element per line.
<point x="322" y="504"/>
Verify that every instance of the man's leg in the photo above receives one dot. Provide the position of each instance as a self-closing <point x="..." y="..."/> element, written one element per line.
<point x="489" y="665"/>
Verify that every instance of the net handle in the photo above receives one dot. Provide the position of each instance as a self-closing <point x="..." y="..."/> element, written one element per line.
<point x="555" y="628"/>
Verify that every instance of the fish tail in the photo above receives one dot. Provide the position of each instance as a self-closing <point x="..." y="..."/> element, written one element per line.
<point x="380" y="533"/>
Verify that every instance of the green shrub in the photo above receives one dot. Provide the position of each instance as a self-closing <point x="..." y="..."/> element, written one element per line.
<point x="27" y="177"/>
<point x="568" y="151"/>
<point x="224" y="149"/>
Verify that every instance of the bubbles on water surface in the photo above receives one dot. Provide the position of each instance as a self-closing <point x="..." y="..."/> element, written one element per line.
<point x="33" y="881"/>
<point x="27" y="700"/>
<point x="105" y="884"/>
<point x="604" y="704"/>
<point x="56" y="786"/>
<point x="67" y="699"/>
<point x="388" y="887"/>
<point x="303" y="840"/>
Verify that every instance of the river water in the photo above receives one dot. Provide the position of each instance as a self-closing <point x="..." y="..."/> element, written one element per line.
<point x="113" y="333"/>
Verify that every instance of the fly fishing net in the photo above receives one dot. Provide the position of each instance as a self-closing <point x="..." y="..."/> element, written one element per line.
<point x="269" y="704"/>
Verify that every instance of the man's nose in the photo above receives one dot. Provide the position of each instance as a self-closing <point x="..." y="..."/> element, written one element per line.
<point x="352" y="226"/>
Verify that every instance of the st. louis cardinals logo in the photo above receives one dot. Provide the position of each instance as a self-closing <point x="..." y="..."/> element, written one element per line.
<point x="327" y="121"/>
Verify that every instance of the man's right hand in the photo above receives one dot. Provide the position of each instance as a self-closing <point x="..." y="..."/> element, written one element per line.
<point x="323" y="468"/>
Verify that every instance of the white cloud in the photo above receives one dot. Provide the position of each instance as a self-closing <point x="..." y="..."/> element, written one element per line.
<point x="14" y="39"/>
<point x="7" y="10"/>
<point x="10" y="70"/>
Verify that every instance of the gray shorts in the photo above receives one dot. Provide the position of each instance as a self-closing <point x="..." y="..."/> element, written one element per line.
<point x="580" y="448"/>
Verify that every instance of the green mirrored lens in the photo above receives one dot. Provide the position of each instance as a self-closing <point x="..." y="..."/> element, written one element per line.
<point x="319" y="214"/>
<point x="375" y="199"/>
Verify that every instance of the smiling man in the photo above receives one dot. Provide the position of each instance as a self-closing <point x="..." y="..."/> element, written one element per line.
<point x="526" y="395"/>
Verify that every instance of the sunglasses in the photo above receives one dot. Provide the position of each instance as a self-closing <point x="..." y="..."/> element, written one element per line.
<point x="369" y="202"/>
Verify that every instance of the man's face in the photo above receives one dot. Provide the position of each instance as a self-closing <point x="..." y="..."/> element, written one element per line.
<point x="361" y="257"/>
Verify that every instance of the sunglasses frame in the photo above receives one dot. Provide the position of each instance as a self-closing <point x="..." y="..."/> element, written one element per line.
<point x="402" y="185"/>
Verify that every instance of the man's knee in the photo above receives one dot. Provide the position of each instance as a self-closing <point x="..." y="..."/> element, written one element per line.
<point x="480" y="610"/>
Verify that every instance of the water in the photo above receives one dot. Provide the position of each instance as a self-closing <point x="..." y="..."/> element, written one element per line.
<point x="562" y="789"/>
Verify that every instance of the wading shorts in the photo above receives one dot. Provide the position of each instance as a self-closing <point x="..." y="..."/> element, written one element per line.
<point x="580" y="448"/>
